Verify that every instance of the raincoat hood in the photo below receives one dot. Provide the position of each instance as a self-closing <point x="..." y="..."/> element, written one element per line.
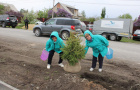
<point x="51" y="45"/>
<point x="54" y="33"/>
<point x="87" y="31"/>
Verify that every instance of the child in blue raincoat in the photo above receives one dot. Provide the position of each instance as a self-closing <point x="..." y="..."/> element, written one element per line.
<point x="99" y="46"/>
<point x="53" y="45"/>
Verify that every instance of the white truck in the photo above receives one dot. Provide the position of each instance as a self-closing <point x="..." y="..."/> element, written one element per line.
<point x="113" y="28"/>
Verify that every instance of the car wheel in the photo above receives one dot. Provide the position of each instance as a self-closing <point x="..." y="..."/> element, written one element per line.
<point x="37" y="32"/>
<point x="13" y="26"/>
<point x="104" y="35"/>
<point x="3" y="25"/>
<point x="119" y="38"/>
<point x="133" y="38"/>
<point x="113" y="37"/>
<point x="65" y="35"/>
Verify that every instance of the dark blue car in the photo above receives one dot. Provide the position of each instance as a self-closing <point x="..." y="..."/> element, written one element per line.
<point x="8" y="20"/>
<point x="136" y="35"/>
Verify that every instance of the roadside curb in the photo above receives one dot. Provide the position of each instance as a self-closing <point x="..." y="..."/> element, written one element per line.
<point x="5" y="86"/>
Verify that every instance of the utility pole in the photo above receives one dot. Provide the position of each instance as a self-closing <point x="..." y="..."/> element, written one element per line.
<point x="52" y="8"/>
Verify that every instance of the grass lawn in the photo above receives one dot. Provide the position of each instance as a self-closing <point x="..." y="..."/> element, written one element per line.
<point x="30" y="26"/>
<point x="129" y="40"/>
<point x="22" y="26"/>
<point x="19" y="26"/>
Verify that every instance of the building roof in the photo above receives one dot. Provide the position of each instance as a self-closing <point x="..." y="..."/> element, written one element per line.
<point x="66" y="8"/>
<point x="12" y="7"/>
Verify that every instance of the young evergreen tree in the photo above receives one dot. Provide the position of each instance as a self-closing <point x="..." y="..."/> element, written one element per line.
<point x="73" y="51"/>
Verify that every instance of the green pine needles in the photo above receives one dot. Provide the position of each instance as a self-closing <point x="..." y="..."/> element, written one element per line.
<point x="73" y="51"/>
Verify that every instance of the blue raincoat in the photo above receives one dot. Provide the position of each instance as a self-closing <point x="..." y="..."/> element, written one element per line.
<point x="98" y="44"/>
<point x="51" y="45"/>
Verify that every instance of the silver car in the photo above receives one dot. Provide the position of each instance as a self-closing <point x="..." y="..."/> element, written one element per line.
<point x="83" y="27"/>
<point x="62" y="25"/>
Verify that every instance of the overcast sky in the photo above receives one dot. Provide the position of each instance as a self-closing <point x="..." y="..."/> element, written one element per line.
<point x="92" y="8"/>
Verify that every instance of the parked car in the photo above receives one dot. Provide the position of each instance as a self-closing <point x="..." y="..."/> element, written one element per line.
<point x="136" y="35"/>
<point x="62" y="25"/>
<point x="90" y="27"/>
<point x="83" y="27"/>
<point x="38" y="23"/>
<point x="8" y="20"/>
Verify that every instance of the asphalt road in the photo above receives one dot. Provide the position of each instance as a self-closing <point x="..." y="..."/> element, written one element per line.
<point x="128" y="52"/>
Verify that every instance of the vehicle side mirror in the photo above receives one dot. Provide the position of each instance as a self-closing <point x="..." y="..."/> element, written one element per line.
<point x="46" y="23"/>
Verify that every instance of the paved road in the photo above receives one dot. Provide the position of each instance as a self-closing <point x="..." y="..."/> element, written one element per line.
<point x="122" y="51"/>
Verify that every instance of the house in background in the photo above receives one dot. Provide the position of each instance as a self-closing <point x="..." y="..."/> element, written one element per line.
<point x="9" y="7"/>
<point x="70" y="9"/>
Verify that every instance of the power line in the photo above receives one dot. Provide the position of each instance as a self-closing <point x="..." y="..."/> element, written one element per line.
<point x="131" y="0"/>
<point x="102" y="3"/>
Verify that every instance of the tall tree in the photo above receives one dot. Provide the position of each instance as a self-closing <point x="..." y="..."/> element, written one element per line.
<point x="103" y="13"/>
<point x="126" y="16"/>
<point x="83" y="18"/>
<point x="31" y="15"/>
<point x="23" y="11"/>
<point x="83" y="13"/>
<point x="43" y="13"/>
<point x="2" y="9"/>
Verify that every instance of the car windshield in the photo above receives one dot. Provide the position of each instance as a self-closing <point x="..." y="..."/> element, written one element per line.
<point x="12" y="17"/>
<point x="50" y="22"/>
<point x="83" y="24"/>
<point x="89" y="25"/>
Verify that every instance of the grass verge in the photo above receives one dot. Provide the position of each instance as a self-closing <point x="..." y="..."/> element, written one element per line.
<point x="19" y="26"/>
<point x="124" y="39"/>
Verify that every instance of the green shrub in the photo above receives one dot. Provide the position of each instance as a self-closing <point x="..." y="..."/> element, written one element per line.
<point x="73" y="51"/>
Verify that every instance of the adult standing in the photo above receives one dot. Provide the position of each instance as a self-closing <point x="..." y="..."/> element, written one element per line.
<point x="26" y="21"/>
<point x="99" y="46"/>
